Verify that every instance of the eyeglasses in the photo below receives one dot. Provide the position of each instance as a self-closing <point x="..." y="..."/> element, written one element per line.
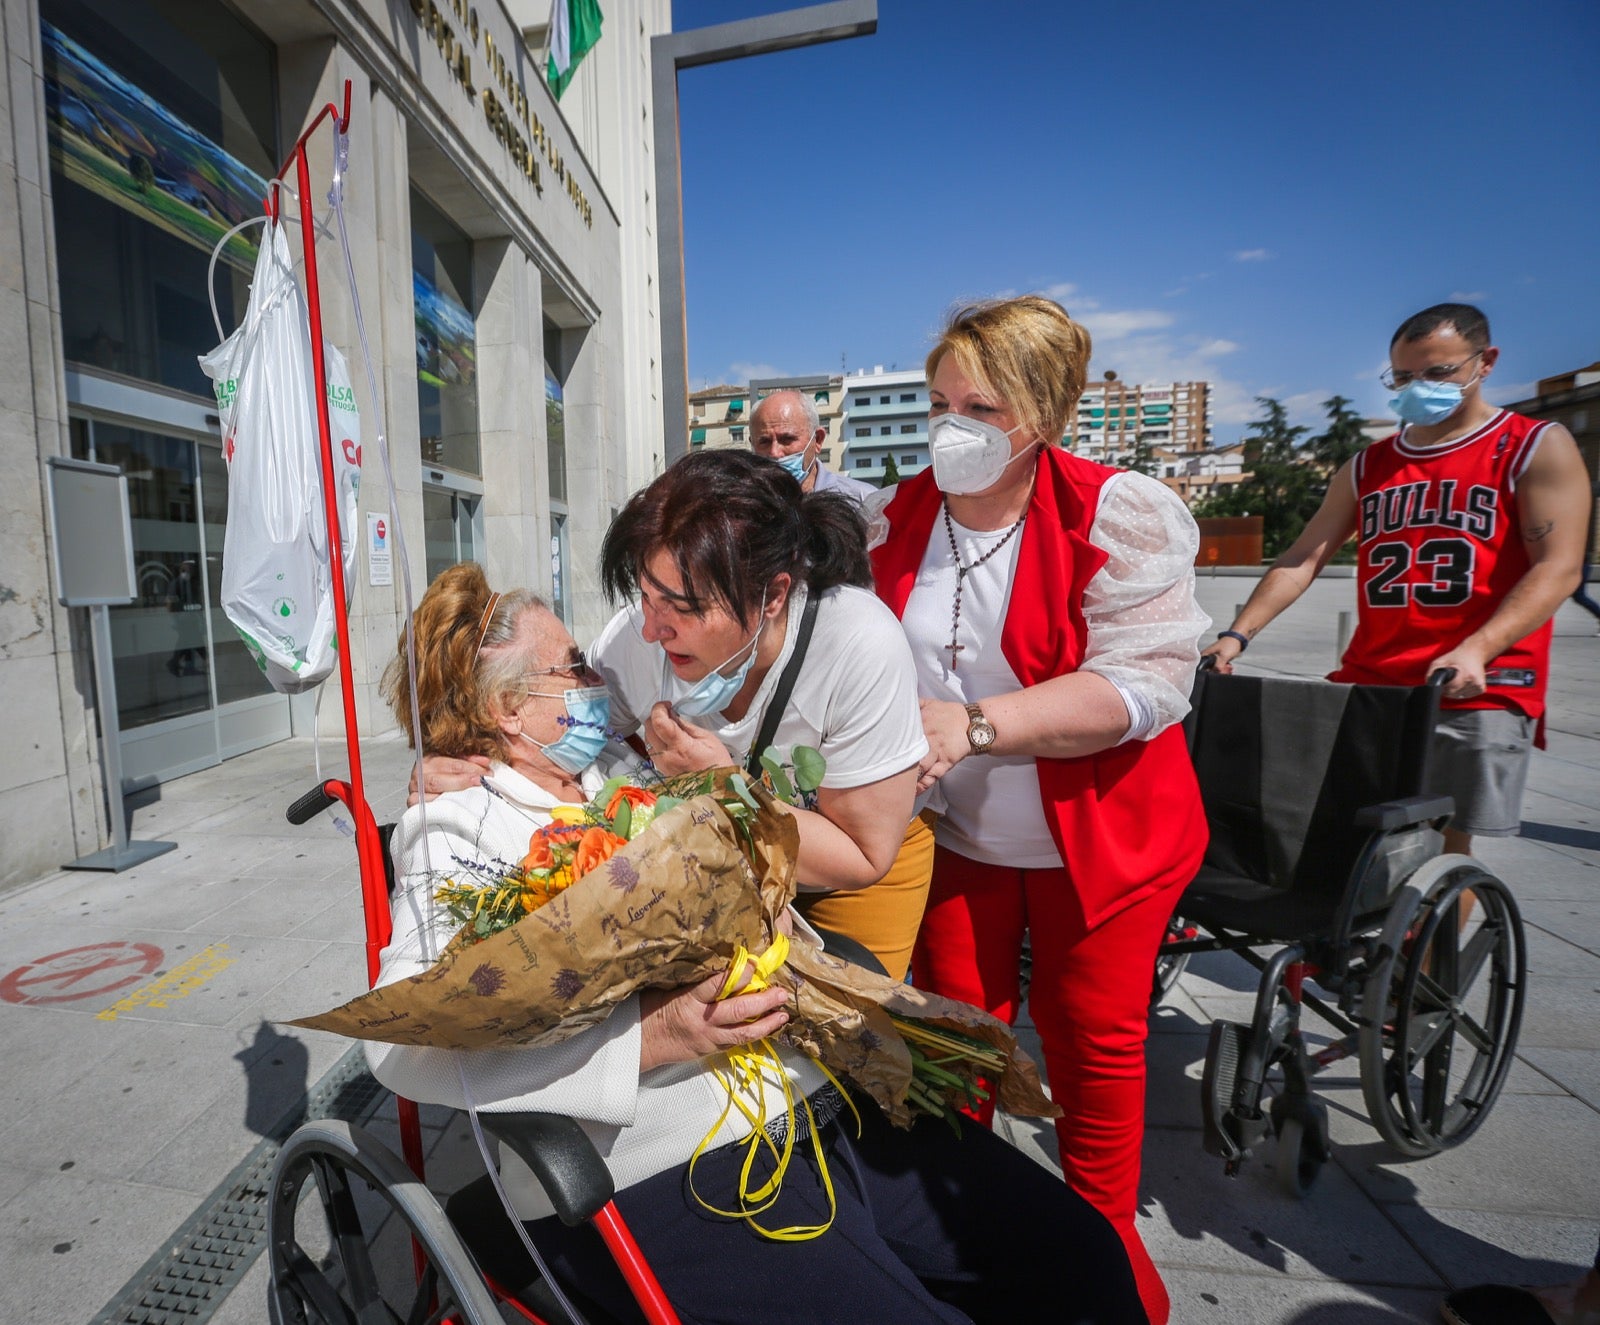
<point x="579" y="671"/>
<point x="1393" y="378"/>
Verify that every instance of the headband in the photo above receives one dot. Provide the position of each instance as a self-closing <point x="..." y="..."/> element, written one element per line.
<point x="483" y="626"/>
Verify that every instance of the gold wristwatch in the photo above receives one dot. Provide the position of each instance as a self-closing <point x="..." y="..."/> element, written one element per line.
<point x="980" y="731"/>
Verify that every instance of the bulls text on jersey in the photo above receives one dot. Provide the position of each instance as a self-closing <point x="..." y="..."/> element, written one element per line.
<point x="1430" y="503"/>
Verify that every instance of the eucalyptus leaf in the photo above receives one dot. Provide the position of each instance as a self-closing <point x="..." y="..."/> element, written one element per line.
<point x="665" y="803"/>
<point x="624" y="819"/>
<point x="781" y="785"/>
<point x="741" y="789"/>
<point x="809" y="767"/>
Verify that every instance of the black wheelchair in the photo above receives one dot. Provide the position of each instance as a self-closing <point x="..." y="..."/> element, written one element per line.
<point x="1325" y="867"/>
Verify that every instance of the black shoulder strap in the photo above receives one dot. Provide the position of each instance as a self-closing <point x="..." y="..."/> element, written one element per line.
<point x="780" y="696"/>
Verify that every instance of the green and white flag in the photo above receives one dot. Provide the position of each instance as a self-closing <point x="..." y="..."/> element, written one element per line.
<point x="574" y="29"/>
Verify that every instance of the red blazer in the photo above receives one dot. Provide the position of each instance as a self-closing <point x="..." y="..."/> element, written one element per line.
<point x="1128" y="821"/>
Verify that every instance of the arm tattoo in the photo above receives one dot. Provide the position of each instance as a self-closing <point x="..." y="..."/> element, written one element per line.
<point x="1538" y="533"/>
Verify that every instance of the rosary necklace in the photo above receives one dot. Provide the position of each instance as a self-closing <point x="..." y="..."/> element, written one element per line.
<point x="962" y="572"/>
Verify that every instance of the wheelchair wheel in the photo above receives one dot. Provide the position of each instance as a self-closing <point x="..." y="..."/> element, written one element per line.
<point x="1302" y="1128"/>
<point x="1442" y="1007"/>
<point x="342" y="1220"/>
<point x="1169" y="966"/>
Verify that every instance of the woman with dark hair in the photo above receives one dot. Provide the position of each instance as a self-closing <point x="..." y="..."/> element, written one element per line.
<point x="738" y="573"/>
<point x="921" y="1225"/>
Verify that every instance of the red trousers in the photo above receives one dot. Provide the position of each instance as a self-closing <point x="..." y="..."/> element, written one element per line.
<point x="1090" y="998"/>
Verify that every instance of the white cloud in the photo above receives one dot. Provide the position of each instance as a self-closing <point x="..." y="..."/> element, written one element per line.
<point x="1253" y="255"/>
<point x="744" y="373"/>
<point x="1468" y="296"/>
<point x="1509" y="393"/>
<point x="1059" y="291"/>
<point x="1305" y="407"/>
<point x="1117" y="324"/>
<point x="1216" y="348"/>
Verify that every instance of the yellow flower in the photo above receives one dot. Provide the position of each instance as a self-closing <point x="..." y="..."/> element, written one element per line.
<point x="569" y="814"/>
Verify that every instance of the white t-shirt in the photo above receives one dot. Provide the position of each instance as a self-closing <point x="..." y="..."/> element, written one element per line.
<point x="855" y="700"/>
<point x="1143" y="631"/>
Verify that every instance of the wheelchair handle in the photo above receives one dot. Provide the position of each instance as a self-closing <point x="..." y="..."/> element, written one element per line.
<point x="309" y="806"/>
<point x="1441" y="678"/>
<point x="1207" y="663"/>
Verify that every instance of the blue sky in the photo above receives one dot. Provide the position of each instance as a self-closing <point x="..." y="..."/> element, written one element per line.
<point x="1252" y="193"/>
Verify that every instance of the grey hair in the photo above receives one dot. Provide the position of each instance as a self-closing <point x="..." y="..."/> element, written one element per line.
<point x="813" y="418"/>
<point x="499" y="670"/>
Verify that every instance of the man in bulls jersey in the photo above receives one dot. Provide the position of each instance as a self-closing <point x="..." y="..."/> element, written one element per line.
<point x="1471" y="523"/>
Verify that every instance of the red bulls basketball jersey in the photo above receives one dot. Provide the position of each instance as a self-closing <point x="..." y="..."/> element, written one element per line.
<point x="1441" y="547"/>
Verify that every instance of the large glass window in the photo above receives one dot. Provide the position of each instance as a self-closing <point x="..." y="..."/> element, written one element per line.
<point x="448" y="528"/>
<point x="162" y="133"/>
<point x="555" y="414"/>
<point x="447" y="345"/>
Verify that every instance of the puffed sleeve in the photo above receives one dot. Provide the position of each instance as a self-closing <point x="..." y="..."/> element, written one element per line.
<point x="873" y="505"/>
<point x="1144" y="625"/>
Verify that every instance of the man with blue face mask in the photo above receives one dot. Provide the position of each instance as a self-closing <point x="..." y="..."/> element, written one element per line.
<point x="786" y="427"/>
<point x="1471" y="523"/>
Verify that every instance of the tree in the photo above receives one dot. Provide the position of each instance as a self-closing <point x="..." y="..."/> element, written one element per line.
<point x="891" y="473"/>
<point x="1343" y="436"/>
<point x="1140" y="460"/>
<point x="1280" y="487"/>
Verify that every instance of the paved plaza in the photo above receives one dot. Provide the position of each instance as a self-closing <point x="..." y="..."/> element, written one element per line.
<point x="144" y="1074"/>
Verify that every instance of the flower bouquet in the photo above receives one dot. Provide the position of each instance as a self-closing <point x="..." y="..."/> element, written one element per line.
<point x="659" y="888"/>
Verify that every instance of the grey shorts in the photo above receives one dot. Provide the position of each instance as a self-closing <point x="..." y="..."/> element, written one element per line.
<point x="1480" y="756"/>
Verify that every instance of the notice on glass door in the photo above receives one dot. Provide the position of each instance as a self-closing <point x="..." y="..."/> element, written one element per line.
<point x="380" y="561"/>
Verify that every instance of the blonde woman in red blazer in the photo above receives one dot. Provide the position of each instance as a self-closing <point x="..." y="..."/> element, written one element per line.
<point x="1050" y="607"/>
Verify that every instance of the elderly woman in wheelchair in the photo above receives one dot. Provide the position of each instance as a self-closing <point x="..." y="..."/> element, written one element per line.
<point x="926" y="1224"/>
<point x="1325" y="854"/>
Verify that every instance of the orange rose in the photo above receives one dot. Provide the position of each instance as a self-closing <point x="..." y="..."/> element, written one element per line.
<point x="539" y="856"/>
<point x="596" y="847"/>
<point x="635" y="796"/>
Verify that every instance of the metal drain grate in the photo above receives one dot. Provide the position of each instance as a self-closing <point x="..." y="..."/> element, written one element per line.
<point x="188" y="1279"/>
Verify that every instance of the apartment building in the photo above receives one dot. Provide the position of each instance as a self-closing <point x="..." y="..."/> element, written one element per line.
<point x="1113" y="416"/>
<point x="885" y="419"/>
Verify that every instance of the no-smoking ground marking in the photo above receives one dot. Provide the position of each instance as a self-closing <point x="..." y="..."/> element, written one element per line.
<point x="91" y="971"/>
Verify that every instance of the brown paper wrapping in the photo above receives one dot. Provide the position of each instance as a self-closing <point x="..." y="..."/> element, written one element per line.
<point x="666" y="911"/>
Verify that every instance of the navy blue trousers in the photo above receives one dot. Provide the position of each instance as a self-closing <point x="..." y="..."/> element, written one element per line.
<point x="931" y="1227"/>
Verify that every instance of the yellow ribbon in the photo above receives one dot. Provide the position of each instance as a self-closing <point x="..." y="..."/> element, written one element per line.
<point x="744" y="1079"/>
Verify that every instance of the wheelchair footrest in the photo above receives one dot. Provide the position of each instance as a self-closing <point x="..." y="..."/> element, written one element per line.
<point x="1217" y="1087"/>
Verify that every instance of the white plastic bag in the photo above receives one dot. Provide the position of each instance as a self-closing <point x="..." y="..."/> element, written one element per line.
<point x="277" y="586"/>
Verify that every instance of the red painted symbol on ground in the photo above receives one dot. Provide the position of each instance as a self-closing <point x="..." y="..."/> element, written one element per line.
<point x="88" y="972"/>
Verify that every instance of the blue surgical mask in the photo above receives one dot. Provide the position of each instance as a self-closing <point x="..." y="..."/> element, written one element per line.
<point x="796" y="465"/>
<point x="713" y="692"/>
<point x="1424" y="403"/>
<point x="587" y="725"/>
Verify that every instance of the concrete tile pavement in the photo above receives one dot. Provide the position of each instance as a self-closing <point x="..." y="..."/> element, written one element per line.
<point x="113" y="1131"/>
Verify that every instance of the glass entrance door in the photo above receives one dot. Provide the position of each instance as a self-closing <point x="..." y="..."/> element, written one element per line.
<point x="188" y="694"/>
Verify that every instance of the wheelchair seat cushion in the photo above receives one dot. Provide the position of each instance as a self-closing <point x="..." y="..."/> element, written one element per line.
<point x="1218" y="899"/>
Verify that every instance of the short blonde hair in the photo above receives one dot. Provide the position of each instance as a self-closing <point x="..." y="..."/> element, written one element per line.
<point x="1027" y="351"/>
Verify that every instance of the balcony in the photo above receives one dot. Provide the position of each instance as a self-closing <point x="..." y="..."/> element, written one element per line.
<point x="893" y="410"/>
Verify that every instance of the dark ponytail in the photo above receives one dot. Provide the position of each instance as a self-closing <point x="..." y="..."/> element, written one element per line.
<point x="836" y="542"/>
<point x="731" y="521"/>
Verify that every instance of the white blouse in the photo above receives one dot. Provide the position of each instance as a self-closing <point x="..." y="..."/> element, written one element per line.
<point x="1144" y="628"/>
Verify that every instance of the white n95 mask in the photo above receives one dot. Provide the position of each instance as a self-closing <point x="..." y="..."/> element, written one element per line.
<point x="968" y="454"/>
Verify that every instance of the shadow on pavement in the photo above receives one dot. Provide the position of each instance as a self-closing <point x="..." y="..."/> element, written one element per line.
<point x="1561" y="835"/>
<point x="276" y="1072"/>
